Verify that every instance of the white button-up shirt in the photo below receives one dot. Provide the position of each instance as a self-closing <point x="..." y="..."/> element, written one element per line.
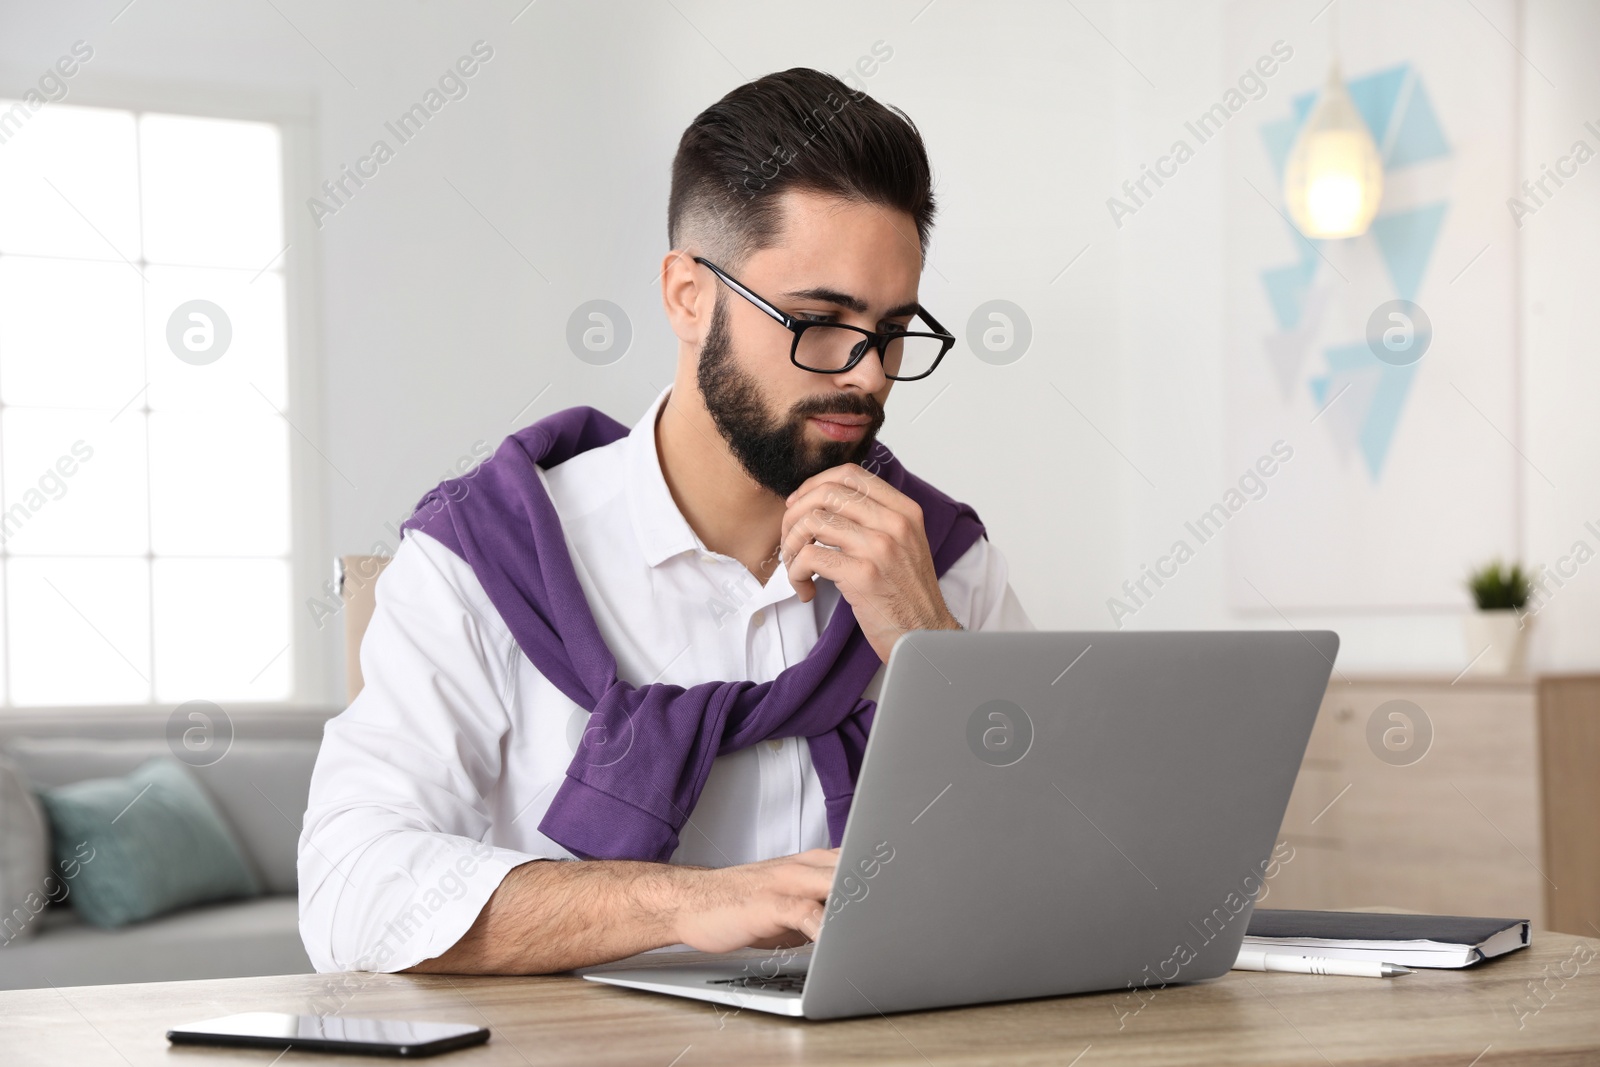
<point x="430" y="787"/>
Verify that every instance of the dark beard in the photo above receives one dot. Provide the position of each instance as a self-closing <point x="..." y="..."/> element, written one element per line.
<point x="774" y="452"/>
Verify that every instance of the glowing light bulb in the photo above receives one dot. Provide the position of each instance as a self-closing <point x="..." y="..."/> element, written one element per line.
<point x="1334" y="179"/>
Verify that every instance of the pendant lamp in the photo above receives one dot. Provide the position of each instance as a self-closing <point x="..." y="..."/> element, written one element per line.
<point x="1333" y="182"/>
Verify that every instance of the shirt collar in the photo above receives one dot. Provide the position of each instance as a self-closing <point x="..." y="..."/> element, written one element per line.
<point x="662" y="530"/>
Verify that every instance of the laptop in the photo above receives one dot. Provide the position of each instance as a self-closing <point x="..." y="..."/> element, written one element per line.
<point x="1040" y="814"/>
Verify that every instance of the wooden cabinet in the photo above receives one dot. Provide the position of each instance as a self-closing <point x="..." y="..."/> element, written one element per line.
<point x="1569" y="778"/>
<point x="1437" y="795"/>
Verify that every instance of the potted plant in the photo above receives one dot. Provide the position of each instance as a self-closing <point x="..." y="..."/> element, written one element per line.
<point x="1497" y="633"/>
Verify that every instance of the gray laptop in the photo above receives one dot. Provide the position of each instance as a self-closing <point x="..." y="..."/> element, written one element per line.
<point x="1044" y="813"/>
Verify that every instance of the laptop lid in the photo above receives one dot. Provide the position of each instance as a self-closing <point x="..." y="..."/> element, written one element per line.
<point x="1049" y="813"/>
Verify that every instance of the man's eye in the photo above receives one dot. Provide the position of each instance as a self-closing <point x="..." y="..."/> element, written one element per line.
<point x="812" y="316"/>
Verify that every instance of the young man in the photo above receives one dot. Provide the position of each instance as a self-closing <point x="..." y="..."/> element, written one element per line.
<point x="653" y="653"/>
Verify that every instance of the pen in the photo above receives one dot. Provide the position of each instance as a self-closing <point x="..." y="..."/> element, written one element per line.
<point x="1260" y="960"/>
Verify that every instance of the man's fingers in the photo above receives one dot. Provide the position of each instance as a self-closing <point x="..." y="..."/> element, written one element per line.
<point x="828" y="527"/>
<point x="822" y="476"/>
<point x="818" y="857"/>
<point x="848" y="485"/>
<point x="787" y="939"/>
<point x="850" y="482"/>
<point x="862" y="479"/>
<point x="829" y="499"/>
<point x="803" y="880"/>
<point x="804" y="915"/>
<point x="814" y="559"/>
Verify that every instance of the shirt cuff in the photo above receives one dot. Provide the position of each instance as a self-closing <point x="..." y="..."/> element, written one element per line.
<point x="450" y="893"/>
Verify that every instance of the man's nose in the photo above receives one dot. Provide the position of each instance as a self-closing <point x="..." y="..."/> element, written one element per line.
<point x="867" y="374"/>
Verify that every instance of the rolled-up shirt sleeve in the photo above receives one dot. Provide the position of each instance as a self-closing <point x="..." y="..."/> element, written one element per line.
<point x="393" y="861"/>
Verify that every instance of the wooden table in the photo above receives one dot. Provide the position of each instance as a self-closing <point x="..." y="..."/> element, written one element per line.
<point x="1457" y="1018"/>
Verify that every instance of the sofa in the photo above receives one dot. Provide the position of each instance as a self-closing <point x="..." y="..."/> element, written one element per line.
<point x="260" y="786"/>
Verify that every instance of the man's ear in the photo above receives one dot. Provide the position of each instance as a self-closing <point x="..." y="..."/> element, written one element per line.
<point x="685" y="295"/>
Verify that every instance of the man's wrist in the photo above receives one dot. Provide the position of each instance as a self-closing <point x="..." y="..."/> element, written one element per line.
<point x="679" y="890"/>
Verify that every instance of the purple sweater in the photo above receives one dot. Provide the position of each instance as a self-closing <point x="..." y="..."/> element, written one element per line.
<point x="645" y="756"/>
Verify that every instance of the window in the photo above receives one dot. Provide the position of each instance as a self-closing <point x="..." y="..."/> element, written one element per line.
<point x="145" y="555"/>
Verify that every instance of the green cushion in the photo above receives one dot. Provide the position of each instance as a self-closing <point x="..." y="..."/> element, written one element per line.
<point x="144" y="844"/>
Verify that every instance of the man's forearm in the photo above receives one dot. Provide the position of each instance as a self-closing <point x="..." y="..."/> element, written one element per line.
<point x="554" y="915"/>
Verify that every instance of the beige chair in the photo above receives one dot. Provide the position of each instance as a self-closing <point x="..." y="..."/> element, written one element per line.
<point x="357" y="578"/>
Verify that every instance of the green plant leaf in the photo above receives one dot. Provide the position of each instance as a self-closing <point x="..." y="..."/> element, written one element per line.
<point x="1498" y="586"/>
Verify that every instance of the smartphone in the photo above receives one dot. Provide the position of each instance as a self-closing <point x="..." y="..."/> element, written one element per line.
<point x="329" y="1033"/>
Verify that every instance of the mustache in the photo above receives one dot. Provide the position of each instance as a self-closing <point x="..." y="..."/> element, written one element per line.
<point x="846" y="404"/>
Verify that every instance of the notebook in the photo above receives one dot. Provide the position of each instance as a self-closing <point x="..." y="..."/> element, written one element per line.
<point x="1409" y="940"/>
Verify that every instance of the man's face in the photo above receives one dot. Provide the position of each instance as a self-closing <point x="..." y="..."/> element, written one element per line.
<point x="835" y="261"/>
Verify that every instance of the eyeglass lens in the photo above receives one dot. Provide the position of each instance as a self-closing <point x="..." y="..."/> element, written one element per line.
<point x="825" y="348"/>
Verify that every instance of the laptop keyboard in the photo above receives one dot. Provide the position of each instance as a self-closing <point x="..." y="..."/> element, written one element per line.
<point x="782" y="983"/>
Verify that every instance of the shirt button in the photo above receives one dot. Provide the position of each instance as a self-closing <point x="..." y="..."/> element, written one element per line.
<point x="706" y="557"/>
<point x="776" y="745"/>
<point x="758" y="618"/>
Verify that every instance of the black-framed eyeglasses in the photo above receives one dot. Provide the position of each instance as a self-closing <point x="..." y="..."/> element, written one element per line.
<point x="834" y="347"/>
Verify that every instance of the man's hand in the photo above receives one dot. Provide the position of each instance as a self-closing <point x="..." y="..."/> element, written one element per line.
<point x="858" y="531"/>
<point x="776" y="903"/>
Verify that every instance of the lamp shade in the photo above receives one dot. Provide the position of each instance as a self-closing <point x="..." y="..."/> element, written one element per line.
<point x="1334" y="179"/>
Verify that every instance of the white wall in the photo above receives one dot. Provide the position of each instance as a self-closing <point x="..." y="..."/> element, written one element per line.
<point x="436" y="328"/>
<point x="1560" y="286"/>
<point x="1171" y="329"/>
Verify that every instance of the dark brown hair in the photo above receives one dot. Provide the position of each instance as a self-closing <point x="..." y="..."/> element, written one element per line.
<point x="797" y="129"/>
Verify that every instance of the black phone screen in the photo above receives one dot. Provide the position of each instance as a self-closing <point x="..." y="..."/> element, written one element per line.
<point x="330" y="1033"/>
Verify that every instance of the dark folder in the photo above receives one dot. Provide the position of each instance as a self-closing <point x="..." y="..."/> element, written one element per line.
<point x="1409" y="940"/>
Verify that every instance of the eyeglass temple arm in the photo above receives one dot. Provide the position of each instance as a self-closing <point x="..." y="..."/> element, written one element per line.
<point x="931" y="321"/>
<point x="746" y="293"/>
<point x="788" y="321"/>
